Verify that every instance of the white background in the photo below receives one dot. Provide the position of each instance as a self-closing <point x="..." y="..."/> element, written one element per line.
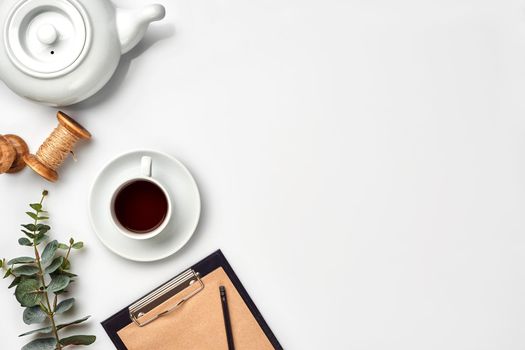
<point x="361" y="163"/>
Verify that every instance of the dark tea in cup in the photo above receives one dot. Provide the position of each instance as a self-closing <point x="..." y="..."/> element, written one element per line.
<point x="140" y="206"/>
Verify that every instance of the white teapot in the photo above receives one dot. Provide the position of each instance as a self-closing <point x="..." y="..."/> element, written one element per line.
<point x="60" y="52"/>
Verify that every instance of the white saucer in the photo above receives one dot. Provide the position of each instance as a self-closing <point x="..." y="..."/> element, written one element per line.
<point x="183" y="192"/>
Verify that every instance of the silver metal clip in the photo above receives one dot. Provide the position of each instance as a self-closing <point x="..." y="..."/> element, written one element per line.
<point x="189" y="278"/>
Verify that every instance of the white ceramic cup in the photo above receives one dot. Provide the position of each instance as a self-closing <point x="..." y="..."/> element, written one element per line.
<point x="146" y="175"/>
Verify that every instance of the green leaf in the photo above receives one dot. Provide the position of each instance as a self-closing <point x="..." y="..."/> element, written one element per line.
<point x="71" y="241"/>
<point x="41" y="228"/>
<point x="43" y="217"/>
<point x="2" y="263"/>
<point x="25" y="241"/>
<point x="63" y="246"/>
<point x="65" y="305"/>
<point x="25" y="270"/>
<point x="49" y="251"/>
<point x="41" y="344"/>
<point x="43" y="330"/>
<point x="21" y="260"/>
<point x="30" y="227"/>
<point x="34" y="314"/>
<point x="28" y="293"/>
<point x="49" y="329"/>
<point x="78" y="245"/>
<point x="8" y="273"/>
<point x="40" y="238"/>
<point x="55" y="264"/>
<point x="28" y="234"/>
<point x="32" y="215"/>
<point x="15" y="282"/>
<point x="66" y="265"/>
<point x="64" y="325"/>
<point x="58" y="283"/>
<point x="65" y="273"/>
<point x="78" y="340"/>
<point x="36" y="206"/>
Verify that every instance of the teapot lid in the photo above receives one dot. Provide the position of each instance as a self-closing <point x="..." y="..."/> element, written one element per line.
<point x="47" y="38"/>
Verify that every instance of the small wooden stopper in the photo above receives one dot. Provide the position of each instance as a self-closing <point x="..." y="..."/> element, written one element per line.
<point x="12" y="151"/>
<point x="7" y="155"/>
<point x="70" y="132"/>
<point x="21" y="150"/>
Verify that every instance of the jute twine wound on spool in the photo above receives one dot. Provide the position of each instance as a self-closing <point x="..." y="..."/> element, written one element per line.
<point x="56" y="148"/>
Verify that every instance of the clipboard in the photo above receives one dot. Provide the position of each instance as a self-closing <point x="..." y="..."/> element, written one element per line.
<point x="189" y="287"/>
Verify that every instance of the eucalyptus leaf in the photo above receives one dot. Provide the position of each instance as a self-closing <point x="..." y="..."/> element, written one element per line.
<point x="32" y="215"/>
<point x="55" y="264"/>
<point x="49" y="251"/>
<point x="65" y="305"/>
<point x="43" y="330"/>
<point x="34" y="314"/>
<point x="40" y="238"/>
<point x="25" y="270"/>
<point x="41" y="228"/>
<point x="2" y="263"/>
<point x="28" y="234"/>
<point x="36" y="206"/>
<point x="21" y="260"/>
<point x="58" y="283"/>
<point x="66" y="273"/>
<point x="15" y="282"/>
<point x="30" y="227"/>
<point x="25" y="241"/>
<point x="63" y="246"/>
<point x="41" y="344"/>
<point x="78" y="340"/>
<point x="8" y="273"/>
<point x="78" y="245"/>
<point x="28" y="293"/>
<point x="61" y="326"/>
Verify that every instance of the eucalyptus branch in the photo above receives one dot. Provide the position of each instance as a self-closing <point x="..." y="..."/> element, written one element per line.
<point x="33" y="291"/>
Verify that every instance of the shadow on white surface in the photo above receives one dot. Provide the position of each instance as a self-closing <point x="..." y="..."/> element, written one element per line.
<point x="199" y="231"/>
<point x="154" y="35"/>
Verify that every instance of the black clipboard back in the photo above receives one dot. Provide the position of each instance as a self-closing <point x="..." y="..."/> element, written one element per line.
<point x="217" y="259"/>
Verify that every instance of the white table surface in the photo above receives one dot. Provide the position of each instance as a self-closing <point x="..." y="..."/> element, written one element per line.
<point x="362" y="166"/>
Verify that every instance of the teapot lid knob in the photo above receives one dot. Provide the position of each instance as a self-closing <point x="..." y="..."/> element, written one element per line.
<point x="47" y="34"/>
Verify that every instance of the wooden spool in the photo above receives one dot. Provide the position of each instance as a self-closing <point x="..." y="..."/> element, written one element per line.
<point x="56" y="147"/>
<point x="12" y="150"/>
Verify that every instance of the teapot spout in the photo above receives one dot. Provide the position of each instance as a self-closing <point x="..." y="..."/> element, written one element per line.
<point x="132" y="24"/>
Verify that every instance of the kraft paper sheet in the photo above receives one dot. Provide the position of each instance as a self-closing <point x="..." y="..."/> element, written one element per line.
<point x="199" y="323"/>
